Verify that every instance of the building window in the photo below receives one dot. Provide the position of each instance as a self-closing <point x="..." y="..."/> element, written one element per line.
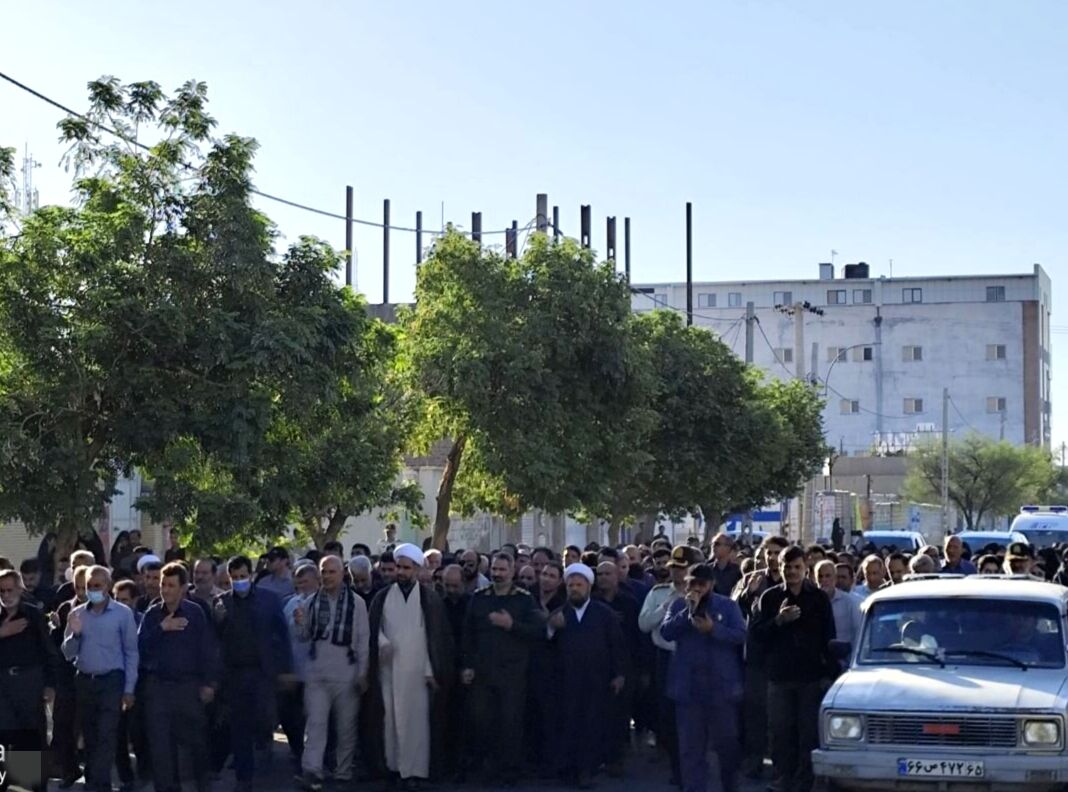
<point x="734" y="299"/>
<point x="862" y="296"/>
<point x="783" y="298"/>
<point x="836" y="296"/>
<point x="837" y="355"/>
<point x="912" y="295"/>
<point x="706" y="300"/>
<point x="785" y="354"/>
<point x="913" y="406"/>
<point x="995" y="352"/>
<point x="995" y="294"/>
<point x="863" y="354"/>
<point x="995" y="404"/>
<point x="911" y="354"/>
<point x="849" y="406"/>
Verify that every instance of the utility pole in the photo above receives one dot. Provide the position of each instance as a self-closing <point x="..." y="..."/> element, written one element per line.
<point x="799" y="340"/>
<point x="385" y="251"/>
<point x="1064" y="446"/>
<point x="945" y="461"/>
<point x="689" y="263"/>
<point x="348" y="236"/>
<point x="750" y="318"/>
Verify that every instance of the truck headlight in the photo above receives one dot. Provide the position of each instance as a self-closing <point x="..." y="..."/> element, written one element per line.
<point x="1042" y="732"/>
<point x="844" y="727"/>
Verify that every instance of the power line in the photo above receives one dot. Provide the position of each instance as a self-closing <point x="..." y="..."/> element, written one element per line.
<point x="774" y="354"/>
<point x="252" y="190"/>
<point x="956" y="409"/>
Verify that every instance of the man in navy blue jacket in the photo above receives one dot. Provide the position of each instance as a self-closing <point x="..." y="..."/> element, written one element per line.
<point x="706" y="679"/>
<point x="254" y="639"/>
<point x="177" y="650"/>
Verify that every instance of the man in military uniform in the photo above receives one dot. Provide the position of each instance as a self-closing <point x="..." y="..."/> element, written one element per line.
<point x="501" y="625"/>
<point x="1019" y="558"/>
<point x="655" y="607"/>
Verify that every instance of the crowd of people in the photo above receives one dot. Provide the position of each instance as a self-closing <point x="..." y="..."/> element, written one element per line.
<point x="408" y="665"/>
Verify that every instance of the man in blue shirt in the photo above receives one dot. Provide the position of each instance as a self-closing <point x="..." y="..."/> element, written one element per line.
<point x="181" y="673"/>
<point x="955" y="563"/>
<point x="101" y="640"/>
<point x="706" y="679"/>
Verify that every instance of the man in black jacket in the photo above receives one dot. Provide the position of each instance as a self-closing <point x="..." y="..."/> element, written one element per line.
<point x="28" y="663"/>
<point x="502" y="624"/>
<point x="795" y="624"/>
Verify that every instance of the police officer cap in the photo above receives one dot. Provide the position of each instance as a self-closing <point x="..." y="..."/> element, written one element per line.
<point x="1020" y="550"/>
<point x="683" y="556"/>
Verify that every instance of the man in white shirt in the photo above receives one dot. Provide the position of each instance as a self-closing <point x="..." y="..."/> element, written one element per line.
<point x="844" y="605"/>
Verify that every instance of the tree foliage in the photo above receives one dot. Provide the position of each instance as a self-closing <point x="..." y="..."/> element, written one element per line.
<point x="153" y="325"/>
<point x="524" y="364"/>
<point x="986" y="477"/>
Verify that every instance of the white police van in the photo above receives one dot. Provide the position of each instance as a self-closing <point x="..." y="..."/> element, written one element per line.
<point x="1044" y="526"/>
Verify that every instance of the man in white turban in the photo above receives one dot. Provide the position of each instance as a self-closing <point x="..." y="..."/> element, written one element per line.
<point x="411" y="657"/>
<point x="593" y="661"/>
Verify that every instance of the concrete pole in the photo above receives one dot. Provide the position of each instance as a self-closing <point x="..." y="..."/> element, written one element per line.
<point x="945" y="461"/>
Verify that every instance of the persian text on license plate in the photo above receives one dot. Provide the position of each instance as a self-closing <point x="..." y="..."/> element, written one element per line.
<point x="939" y="768"/>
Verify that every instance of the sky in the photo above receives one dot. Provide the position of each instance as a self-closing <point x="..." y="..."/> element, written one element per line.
<point x="927" y="133"/>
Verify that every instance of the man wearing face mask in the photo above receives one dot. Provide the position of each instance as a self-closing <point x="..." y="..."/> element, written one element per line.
<point x="28" y="662"/>
<point x="101" y="639"/>
<point x="255" y="651"/>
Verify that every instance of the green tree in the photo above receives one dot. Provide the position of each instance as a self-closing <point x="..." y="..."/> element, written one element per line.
<point x="153" y="325"/>
<point x="986" y="477"/>
<point x="524" y="364"/>
<point x="722" y="440"/>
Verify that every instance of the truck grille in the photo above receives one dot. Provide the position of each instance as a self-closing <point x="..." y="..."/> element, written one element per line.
<point x="943" y="730"/>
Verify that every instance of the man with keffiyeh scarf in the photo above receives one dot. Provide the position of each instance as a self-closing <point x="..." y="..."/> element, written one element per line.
<point x="333" y="624"/>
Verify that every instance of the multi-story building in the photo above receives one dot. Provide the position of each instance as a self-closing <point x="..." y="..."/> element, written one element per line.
<point x="882" y="349"/>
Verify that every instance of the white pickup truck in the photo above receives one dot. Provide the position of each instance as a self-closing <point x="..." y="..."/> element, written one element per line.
<point x="958" y="683"/>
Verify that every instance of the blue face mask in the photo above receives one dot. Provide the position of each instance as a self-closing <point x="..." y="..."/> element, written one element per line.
<point x="242" y="586"/>
<point x="95" y="597"/>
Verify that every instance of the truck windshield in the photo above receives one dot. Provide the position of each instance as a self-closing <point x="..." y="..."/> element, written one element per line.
<point x="963" y="631"/>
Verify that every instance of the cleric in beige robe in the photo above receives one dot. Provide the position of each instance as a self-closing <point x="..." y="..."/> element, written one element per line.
<point x="411" y="658"/>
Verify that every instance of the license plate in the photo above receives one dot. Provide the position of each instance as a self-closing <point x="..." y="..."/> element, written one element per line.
<point x="939" y="768"/>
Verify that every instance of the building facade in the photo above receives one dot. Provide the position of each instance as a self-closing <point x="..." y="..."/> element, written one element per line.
<point x="882" y="349"/>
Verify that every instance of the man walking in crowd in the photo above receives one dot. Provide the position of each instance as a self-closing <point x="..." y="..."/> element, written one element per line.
<point x="705" y="680"/>
<point x="101" y="639"/>
<point x="726" y="571"/>
<point x="955" y="563"/>
<point x="255" y="651"/>
<point x="411" y="657"/>
<point x="28" y="662"/>
<point x="650" y="619"/>
<point x="279" y="580"/>
<point x="335" y="628"/>
<point x="844" y="606"/>
<point x="874" y="571"/>
<point x="502" y="622"/>
<point x="178" y="656"/>
<point x="592" y="657"/>
<point x="795" y="622"/>
<point x="204" y="586"/>
<point x="755" y="710"/>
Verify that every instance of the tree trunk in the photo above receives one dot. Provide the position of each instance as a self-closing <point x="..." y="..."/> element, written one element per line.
<point x="336" y="525"/>
<point x="444" y="499"/>
<point x="613" y="532"/>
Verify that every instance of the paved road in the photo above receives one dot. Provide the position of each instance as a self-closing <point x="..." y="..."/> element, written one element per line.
<point x="645" y="770"/>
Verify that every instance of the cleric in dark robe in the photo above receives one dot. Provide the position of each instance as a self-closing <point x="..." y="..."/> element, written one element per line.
<point x="592" y="657"/>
